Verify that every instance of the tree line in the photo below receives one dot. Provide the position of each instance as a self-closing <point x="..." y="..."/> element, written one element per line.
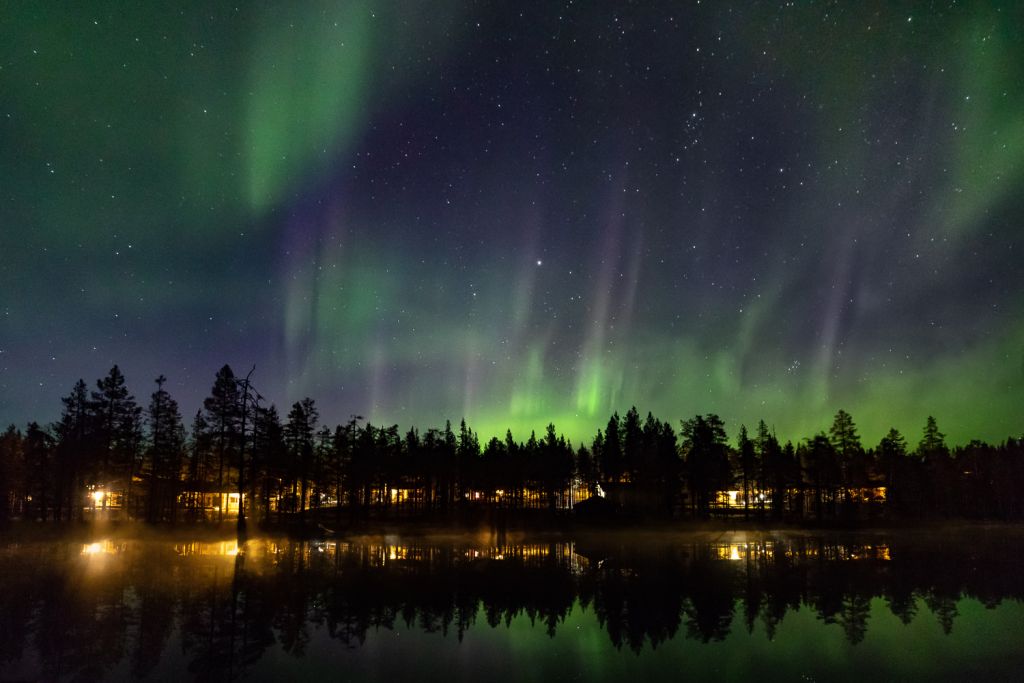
<point x="106" y="449"/>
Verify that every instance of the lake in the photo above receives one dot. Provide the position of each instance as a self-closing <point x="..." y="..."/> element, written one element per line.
<point x="724" y="606"/>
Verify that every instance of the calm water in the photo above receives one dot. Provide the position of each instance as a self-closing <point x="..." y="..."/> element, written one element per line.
<point x="734" y="606"/>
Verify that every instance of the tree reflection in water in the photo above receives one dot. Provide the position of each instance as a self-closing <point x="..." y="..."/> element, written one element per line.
<point x="73" y="610"/>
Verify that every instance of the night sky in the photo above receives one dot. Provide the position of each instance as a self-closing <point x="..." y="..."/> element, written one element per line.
<point x="521" y="214"/>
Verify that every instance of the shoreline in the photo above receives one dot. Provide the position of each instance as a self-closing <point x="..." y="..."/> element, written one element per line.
<point x="450" y="532"/>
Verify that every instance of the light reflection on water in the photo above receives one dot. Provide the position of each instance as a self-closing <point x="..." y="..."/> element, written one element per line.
<point x="610" y="606"/>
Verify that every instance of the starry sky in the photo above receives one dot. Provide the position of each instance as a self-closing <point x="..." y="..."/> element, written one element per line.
<point x="521" y="212"/>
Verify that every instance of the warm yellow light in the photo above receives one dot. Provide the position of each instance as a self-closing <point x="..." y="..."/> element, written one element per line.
<point x="91" y="549"/>
<point x="394" y="492"/>
<point x="97" y="496"/>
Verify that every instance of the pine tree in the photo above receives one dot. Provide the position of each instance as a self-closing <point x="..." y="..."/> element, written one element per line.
<point x="748" y="466"/>
<point x="37" y="448"/>
<point x="892" y="457"/>
<point x="704" y="442"/>
<point x="118" y="435"/>
<point x="611" y="451"/>
<point x="12" y="472"/>
<point x="166" y="446"/>
<point x="843" y="435"/>
<point x="268" y="459"/>
<point x="939" y="469"/>
<point x="223" y="414"/>
<point x="933" y="442"/>
<point x="298" y="433"/>
<point x="199" y="466"/>
<point x="632" y="444"/>
<point x="820" y="463"/>
<point x="73" y="447"/>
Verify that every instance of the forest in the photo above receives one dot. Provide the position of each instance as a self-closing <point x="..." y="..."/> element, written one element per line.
<point x="108" y="456"/>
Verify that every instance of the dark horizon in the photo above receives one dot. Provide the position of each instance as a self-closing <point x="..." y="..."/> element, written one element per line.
<point x="110" y="456"/>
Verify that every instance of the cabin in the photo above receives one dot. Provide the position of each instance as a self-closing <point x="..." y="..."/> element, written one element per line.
<point x="863" y="500"/>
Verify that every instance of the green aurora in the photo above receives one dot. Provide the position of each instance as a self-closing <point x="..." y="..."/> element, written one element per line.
<point x="423" y="211"/>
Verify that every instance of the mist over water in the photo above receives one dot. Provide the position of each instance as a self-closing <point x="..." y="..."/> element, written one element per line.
<point x="734" y="605"/>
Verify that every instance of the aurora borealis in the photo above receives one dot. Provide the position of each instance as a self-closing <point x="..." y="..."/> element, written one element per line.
<point x="418" y="211"/>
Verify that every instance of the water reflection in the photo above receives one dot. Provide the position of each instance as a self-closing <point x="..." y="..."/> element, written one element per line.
<point x="88" y="610"/>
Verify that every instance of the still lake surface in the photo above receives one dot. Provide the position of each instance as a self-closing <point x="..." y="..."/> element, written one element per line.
<point x="906" y="605"/>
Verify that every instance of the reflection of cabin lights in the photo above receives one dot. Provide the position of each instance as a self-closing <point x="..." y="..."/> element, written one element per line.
<point x="97" y="496"/>
<point x="91" y="549"/>
<point x="734" y="552"/>
<point x="394" y="492"/>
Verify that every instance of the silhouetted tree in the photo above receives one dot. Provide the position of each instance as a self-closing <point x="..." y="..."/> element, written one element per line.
<point x="102" y="443"/>
<point x="765" y="445"/>
<point x="38" y="452"/>
<point x="166" y="446"/>
<point x="845" y="440"/>
<point x="75" y="441"/>
<point x="118" y="435"/>
<point x="706" y="449"/>
<point x="611" y="458"/>
<point x="341" y="468"/>
<point x="820" y="463"/>
<point x="748" y="467"/>
<point x="223" y="415"/>
<point x="12" y="473"/>
<point x="933" y="442"/>
<point x="268" y="463"/>
<point x="843" y="434"/>
<point x="895" y="466"/>
<point x="199" y="466"/>
<point x="557" y="465"/>
<point x="248" y="405"/>
<point x="298" y="435"/>
<point x="779" y="471"/>
<point x="938" y="468"/>
<point x="632" y="444"/>
<point x="467" y="456"/>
